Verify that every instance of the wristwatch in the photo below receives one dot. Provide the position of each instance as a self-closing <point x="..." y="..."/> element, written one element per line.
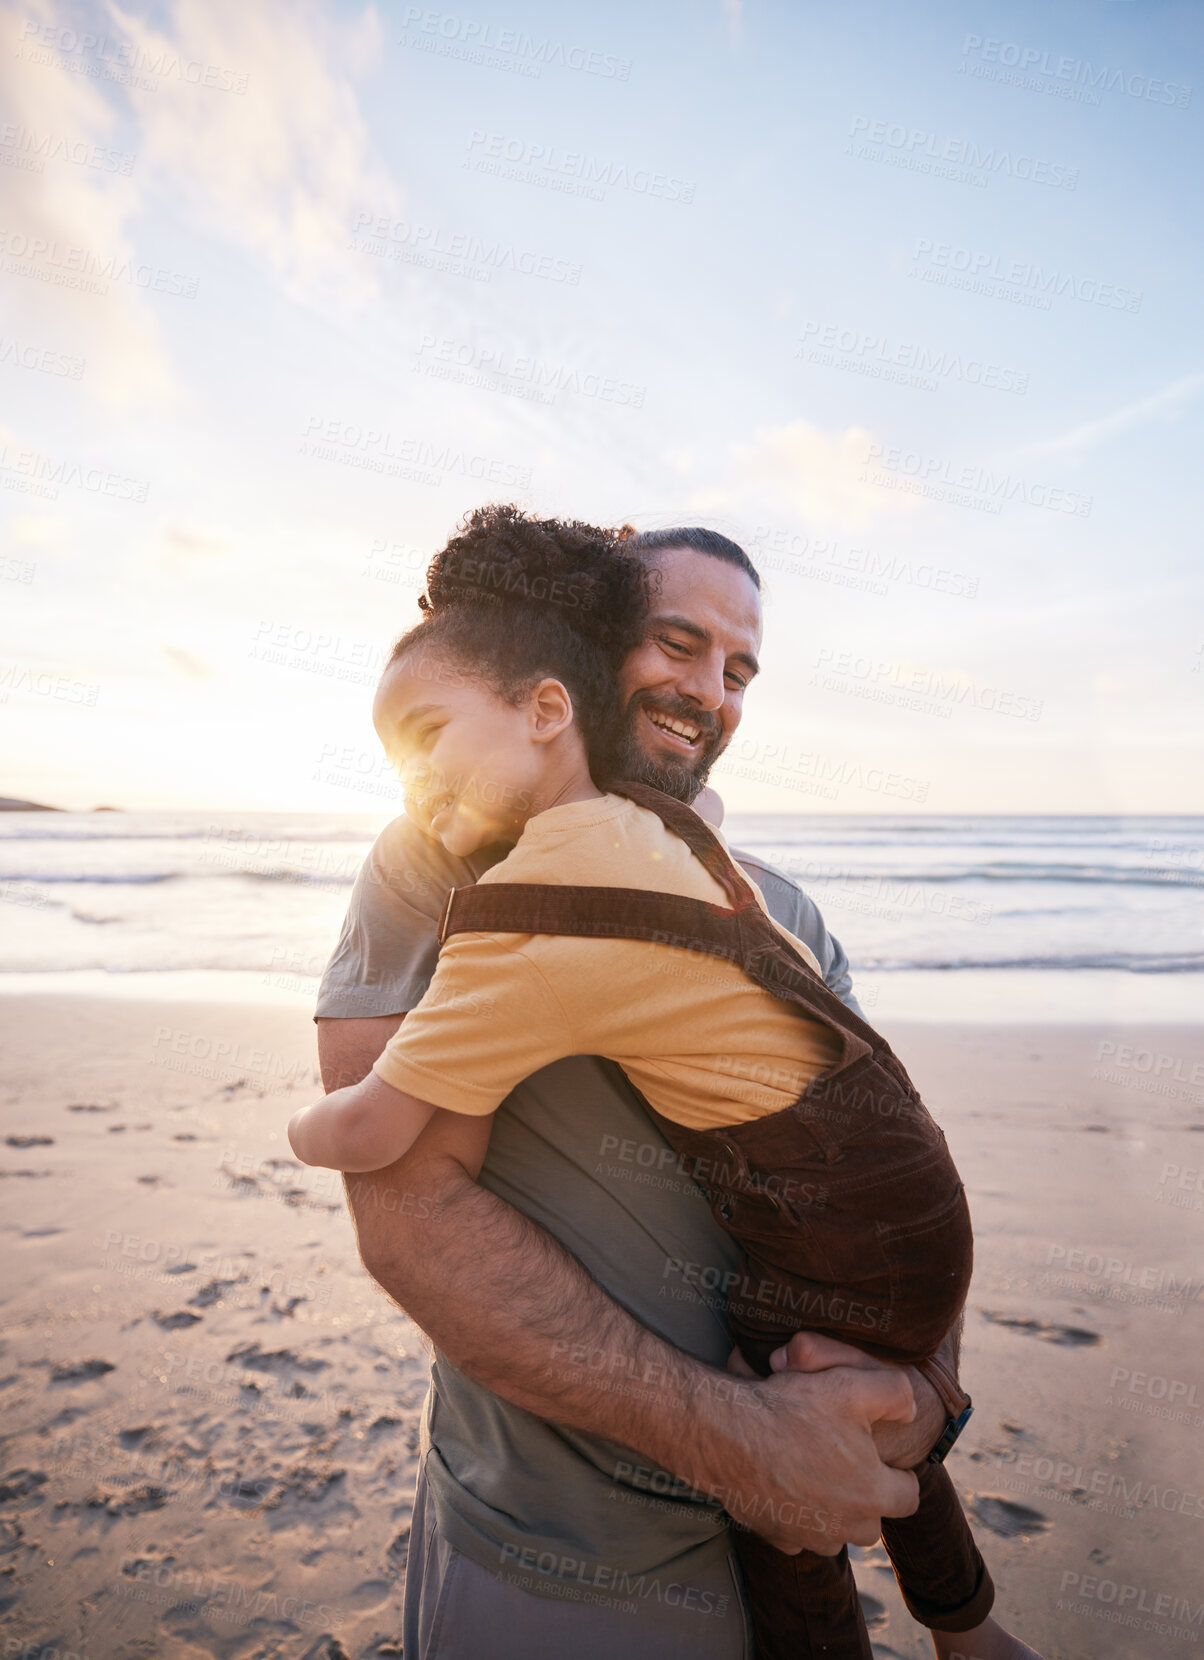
<point x="954" y="1399"/>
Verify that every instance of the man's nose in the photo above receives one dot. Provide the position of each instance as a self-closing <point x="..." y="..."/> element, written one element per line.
<point x="702" y="682"/>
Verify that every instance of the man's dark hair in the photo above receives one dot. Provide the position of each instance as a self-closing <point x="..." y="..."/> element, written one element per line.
<point x="512" y="599"/>
<point x="645" y="542"/>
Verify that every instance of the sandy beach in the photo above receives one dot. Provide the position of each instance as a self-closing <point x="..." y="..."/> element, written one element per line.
<point x="211" y="1413"/>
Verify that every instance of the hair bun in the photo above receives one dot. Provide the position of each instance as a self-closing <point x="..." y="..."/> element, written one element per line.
<point x="504" y="557"/>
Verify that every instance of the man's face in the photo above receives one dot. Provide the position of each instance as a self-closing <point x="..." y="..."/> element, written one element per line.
<point x="683" y="686"/>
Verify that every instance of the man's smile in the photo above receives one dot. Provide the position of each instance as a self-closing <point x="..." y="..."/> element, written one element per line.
<point x="682" y="735"/>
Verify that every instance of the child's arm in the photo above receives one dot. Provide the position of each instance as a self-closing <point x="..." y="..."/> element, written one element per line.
<point x="487" y="1020"/>
<point x="366" y="1126"/>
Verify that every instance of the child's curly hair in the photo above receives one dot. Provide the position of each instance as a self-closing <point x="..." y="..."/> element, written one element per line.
<point x="512" y="599"/>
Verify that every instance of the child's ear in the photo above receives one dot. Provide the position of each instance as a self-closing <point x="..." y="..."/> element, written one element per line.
<point x="550" y="709"/>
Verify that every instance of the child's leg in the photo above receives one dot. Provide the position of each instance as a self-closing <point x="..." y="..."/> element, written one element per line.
<point x="941" y="1574"/>
<point x="802" y="1606"/>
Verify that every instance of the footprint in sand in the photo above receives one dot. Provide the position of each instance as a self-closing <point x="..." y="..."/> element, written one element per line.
<point x="20" y="1484"/>
<point x="875" y="1612"/>
<point x="91" y="1106"/>
<point x="140" y="1563"/>
<point x="29" y="1141"/>
<point x="1071" y="1337"/>
<point x="212" y="1292"/>
<point x="284" y="1311"/>
<point x="1005" y="1517"/>
<point x="80" y="1371"/>
<point x="256" y="1359"/>
<point x="179" y="1321"/>
<point x="136" y="1502"/>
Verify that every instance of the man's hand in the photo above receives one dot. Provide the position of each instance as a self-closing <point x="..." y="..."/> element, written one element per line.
<point x="902" y="1445"/>
<point x="804" y="1472"/>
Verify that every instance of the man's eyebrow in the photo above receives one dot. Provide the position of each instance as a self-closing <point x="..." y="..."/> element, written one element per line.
<point x="704" y="637"/>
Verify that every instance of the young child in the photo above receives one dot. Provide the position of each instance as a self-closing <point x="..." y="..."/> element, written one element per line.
<point x="789" y="1111"/>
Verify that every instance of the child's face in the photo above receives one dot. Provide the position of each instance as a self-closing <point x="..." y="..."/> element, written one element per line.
<point x="468" y="759"/>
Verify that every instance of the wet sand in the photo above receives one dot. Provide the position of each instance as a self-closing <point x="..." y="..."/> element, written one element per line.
<point x="211" y="1413"/>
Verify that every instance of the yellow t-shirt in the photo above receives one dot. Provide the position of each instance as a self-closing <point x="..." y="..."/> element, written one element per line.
<point x="705" y="1044"/>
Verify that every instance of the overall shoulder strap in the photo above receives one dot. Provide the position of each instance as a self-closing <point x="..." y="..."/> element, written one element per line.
<point x="592" y="913"/>
<point x="745" y="938"/>
<point x="697" y="835"/>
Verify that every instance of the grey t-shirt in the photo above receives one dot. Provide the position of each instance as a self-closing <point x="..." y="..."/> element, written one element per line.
<point x="573" y="1150"/>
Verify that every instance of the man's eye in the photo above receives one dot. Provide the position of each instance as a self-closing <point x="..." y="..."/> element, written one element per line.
<point x="735" y="681"/>
<point x="673" y="645"/>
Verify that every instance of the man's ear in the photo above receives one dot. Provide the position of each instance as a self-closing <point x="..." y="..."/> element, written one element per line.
<point x="550" y="710"/>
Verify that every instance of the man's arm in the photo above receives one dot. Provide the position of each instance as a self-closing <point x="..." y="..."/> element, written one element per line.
<point x="348" y="1049"/>
<point x="512" y="1308"/>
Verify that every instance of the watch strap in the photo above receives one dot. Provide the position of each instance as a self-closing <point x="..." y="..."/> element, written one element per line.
<point x="953" y="1428"/>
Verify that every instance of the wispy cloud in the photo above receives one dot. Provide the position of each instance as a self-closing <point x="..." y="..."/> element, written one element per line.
<point x="821" y="477"/>
<point x="282" y="165"/>
<point x="1164" y="405"/>
<point x="77" y="217"/>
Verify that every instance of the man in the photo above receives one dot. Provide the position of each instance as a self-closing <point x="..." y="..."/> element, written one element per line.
<point x="575" y="1295"/>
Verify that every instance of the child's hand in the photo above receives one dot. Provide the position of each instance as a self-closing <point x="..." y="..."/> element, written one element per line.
<point x="363" y="1127"/>
<point x="813" y="1351"/>
<point x="808" y="1351"/>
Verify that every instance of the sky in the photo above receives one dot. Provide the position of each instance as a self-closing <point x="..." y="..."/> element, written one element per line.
<point x="904" y="298"/>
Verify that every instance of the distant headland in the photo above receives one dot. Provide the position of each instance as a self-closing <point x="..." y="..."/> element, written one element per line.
<point x="13" y="804"/>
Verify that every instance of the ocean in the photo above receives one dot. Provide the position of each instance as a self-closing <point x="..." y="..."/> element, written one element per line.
<point x="958" y="917"/>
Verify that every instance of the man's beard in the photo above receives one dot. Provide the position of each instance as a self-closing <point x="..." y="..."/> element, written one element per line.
<point x="682" y="778"/>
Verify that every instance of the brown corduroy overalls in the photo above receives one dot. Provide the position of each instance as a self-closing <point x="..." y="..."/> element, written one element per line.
<point x="848" y="1207"/>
